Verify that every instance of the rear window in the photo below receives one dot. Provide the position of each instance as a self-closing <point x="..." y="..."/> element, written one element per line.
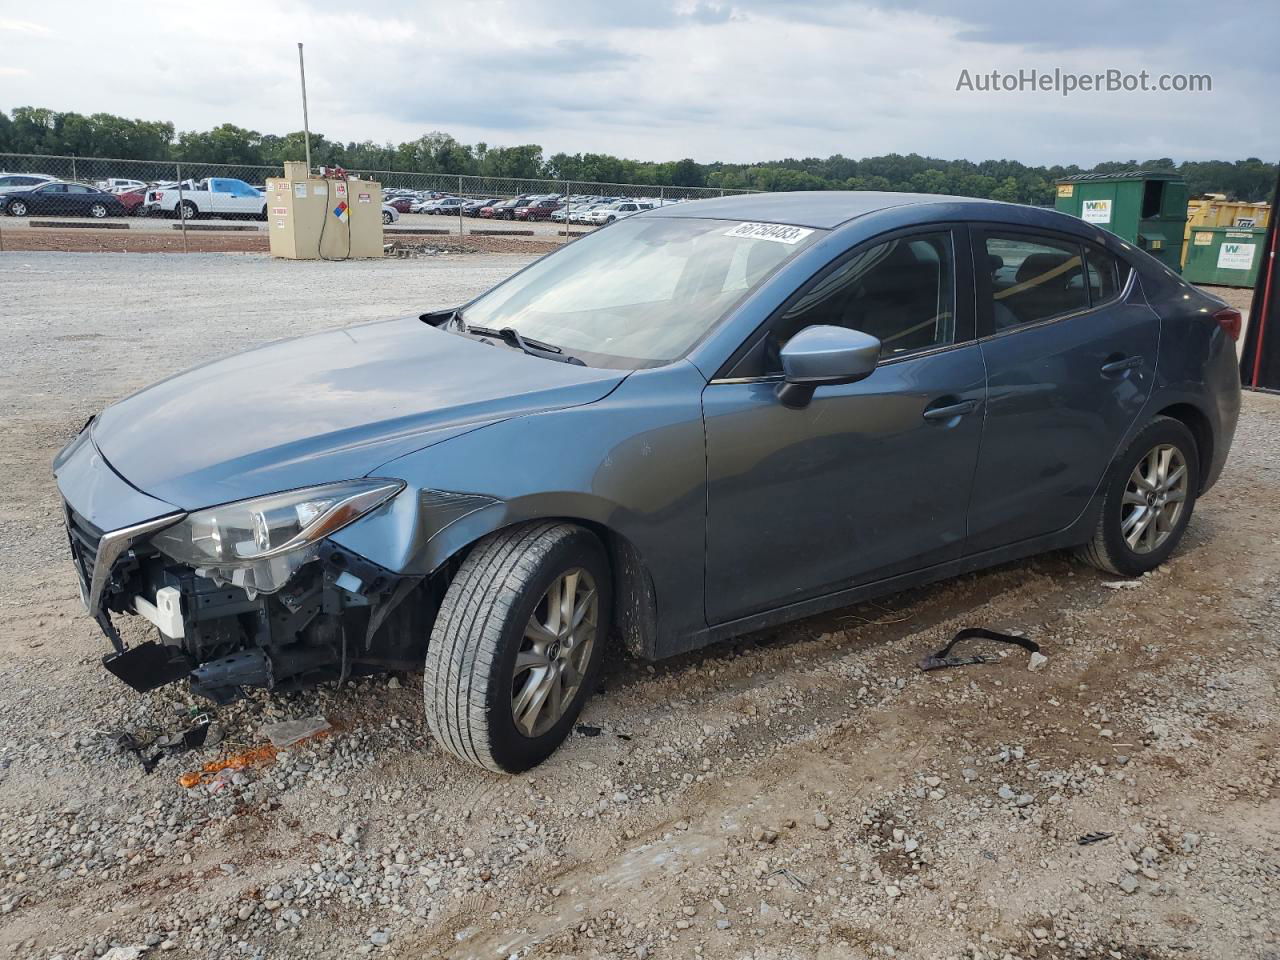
<point x="1033" y="278"/>
<point x="1106" y="275"/>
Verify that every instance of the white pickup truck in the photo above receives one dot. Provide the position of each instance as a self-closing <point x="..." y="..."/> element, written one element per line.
<point x="211" y="197"/>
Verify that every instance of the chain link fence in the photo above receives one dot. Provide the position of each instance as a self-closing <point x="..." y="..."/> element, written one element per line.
<point x="77" y="203"/>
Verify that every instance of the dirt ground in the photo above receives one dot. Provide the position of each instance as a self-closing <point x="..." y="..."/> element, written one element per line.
<point x="202" y="241"/>
<point x="801" y="793"/>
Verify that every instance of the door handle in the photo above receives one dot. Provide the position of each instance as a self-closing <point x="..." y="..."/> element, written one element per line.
<point x="1112" y="367"/>
<point x="951" y="410"/>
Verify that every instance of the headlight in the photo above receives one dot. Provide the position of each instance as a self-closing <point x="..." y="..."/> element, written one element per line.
<point x="259" y="544"/>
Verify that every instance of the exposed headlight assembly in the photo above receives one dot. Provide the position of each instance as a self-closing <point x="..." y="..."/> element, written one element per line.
<point x="259" y="544"/>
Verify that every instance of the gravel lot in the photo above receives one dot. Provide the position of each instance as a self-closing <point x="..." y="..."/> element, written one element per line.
<point x="800" y="793"/>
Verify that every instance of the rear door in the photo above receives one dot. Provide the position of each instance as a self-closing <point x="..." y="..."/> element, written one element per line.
<point x="1070" y="349"/>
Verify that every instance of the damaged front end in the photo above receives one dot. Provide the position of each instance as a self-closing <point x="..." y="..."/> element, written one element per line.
<point x="249" y="594"/>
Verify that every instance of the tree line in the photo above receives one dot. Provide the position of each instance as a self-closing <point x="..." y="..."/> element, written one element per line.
<point x="43" y="131"/>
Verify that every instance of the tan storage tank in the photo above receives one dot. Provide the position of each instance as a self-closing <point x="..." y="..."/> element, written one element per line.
<point x="333" y="217"/>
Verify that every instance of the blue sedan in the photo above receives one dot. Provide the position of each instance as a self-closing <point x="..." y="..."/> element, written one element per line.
<point x="699" y="421"/>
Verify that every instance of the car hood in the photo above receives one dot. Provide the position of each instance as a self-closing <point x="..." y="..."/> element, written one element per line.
<point x="325" y="407"/>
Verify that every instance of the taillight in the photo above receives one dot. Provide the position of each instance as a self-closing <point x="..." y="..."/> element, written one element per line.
<point x="1229" y="319"/>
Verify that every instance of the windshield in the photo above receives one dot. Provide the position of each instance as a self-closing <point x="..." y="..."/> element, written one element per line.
<point x="640" y="292"/>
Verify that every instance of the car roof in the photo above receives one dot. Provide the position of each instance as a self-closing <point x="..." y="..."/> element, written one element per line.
<point x="823" y="209"/>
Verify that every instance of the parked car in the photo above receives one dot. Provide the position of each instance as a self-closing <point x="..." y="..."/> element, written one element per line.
<point x="823" y="401"/>
<point x="610" y="212"/>
<point x="401" y="204"/>
<point x="23" y="181"/>
<point x="213" y="196"/>
<point x="506" y="210"/>
<point x="446" y="206"/>
<point x="62" y="199"/>
<point x="118" y="185"/>
<point x="389" y="213"/>
<point x="538" y="210"/>
<point x="472" y="208"/>
<point x="134" y="201"/>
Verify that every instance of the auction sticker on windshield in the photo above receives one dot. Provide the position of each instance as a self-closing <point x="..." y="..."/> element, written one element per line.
<point x="777" y="232"/>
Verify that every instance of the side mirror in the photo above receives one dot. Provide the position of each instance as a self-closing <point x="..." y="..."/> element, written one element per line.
<point x="822" y="355"/>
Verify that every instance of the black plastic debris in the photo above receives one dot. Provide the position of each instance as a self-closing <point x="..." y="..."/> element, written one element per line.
<point x="1098" y="837"/>
<point x="192" y="738"/>
<point x="943" y="658"/>
<point x="587" y="730"/>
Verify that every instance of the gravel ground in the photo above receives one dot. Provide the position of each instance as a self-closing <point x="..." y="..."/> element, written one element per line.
<point x="800" y="793"/>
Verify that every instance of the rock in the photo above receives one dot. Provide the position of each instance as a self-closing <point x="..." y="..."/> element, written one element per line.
<point x="911" y="845"/>
<point x="288" y="732"/>
<point x="899" y="835"/>
<point x="934" y="782"/>
<point x="892" y="891"/>
<point x="380" y="938"/>
<point x="1006" y="792"/>
<point x="1122" y="584"/>
<point x="1190" y="841"/>
<point x="1038" y="661"/>
<point x="1040" y="933"/>
<point x="1129" y="883"/>
<point x="123" y="953"/>
<point x="1024" y="800"/>
<point x="393" y="683"/>
<point x="969" y="773"/>
<point x="821" y="821"/>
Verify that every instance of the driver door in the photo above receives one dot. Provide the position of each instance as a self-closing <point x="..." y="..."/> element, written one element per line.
<point x="870" y="479"/>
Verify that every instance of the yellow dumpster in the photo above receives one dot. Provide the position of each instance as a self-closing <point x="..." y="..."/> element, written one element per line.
<point x="1215" y="210"/>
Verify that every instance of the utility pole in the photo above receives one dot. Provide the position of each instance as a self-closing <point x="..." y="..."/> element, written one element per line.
<point x="306" y="125"/>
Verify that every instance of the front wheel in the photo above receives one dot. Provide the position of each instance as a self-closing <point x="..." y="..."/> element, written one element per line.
<point x="517" y="644"/>
<point x="386" y="217"/>
<point x="1147" y="500"/>
<point x="98" y="211"/>
<point x="16" y="208"/>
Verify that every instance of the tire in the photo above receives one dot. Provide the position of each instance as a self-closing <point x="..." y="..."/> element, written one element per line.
<point x="98" y="211"/>
<point x="16" y="208"/>
<point x="263" y="215"/>
<point x="187" y="210"/>
<point x="510" y="215"/>
<point x="473" y="688"/>
<point x="609" y="219"/>
<point x="1131" y="511"/>
<point x="386" y="218"/>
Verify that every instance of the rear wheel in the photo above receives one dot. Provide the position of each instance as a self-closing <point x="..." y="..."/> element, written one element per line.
<point x="517" y="643"/>
<point x="386" y="217"/>
<point x="98" y="211"/>
<point x="187" y="210"/>
<point x="1147" y="501"/>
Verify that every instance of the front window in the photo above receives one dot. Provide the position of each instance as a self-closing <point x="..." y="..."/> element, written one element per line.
<point x="640" y="293"/>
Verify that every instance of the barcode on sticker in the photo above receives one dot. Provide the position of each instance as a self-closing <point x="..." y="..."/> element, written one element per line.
<point x="777" y="232"/>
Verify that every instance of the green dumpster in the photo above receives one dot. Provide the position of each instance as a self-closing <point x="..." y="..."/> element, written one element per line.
<point x="1225" y="256"/>
<point x="1147" y="208"/>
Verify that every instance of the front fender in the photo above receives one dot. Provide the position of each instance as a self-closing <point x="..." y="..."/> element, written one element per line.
<point x="633" y="463"/>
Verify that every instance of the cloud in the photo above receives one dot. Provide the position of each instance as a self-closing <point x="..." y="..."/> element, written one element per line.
<point x="23" y="26"/>
<point x="734" y="80"/>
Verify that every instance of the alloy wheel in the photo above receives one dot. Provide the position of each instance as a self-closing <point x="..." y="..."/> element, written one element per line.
<point x="555" y="652"/>
<point x="98" y="211"/>
<point x="1154" y="498"/>
<point x="17" y="209"/>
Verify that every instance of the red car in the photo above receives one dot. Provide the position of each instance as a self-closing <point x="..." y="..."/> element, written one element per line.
<point x="132" y="202"/>
<point x="401" y="204"/>
<point x="538" y="210"/>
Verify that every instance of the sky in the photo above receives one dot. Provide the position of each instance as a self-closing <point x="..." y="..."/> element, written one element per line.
<point x="731" y="80"/>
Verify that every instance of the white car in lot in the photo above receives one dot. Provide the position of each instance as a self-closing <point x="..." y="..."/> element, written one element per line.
<point x="615" y="211"/>
<point x="211" y="197"/>
<point x="118" y="185"/>
<point x="23" y="181"/>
